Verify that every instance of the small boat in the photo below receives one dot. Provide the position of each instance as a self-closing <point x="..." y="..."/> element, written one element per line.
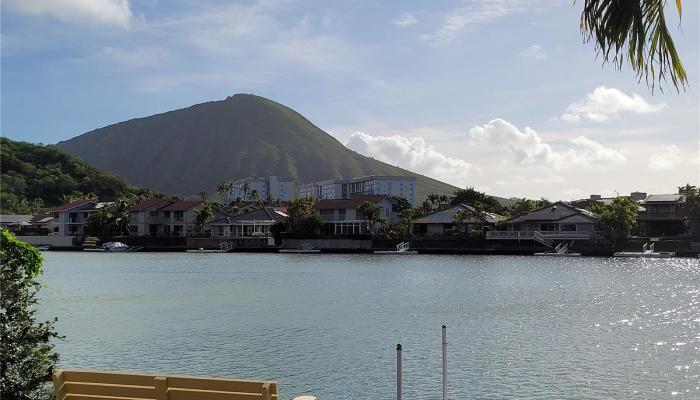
<point x="115" y="247"/>
<point x="305" y="248"/>
<point x="401" y="248"/>
<point x="647" y="252"/>
<point x="562" y="250"/>
<point x="203" y="250"/>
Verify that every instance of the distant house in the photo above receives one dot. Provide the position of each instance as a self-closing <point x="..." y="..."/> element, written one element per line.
<point x="340" y="216"/>
<point x="146" y="218"/>
<point x="249" y="224"/>
<point x="443" y="221"/>
<point x="72" y="218"/>
<point x="559" y="221"/>
<point x="662" y="215"/>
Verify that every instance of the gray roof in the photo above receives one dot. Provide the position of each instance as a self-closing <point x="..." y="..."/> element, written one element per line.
<point x="447" y="216"/>
<point x="16" y="219"/>
<point x="555" y="212"/>
<point x="265" y="214"/>
<point x="666" y="198"/>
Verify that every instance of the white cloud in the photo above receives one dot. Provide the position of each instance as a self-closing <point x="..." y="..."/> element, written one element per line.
<point x="604" y="103"/>
<point x="413" y="154"/>
<point x="534" y="52"/>
<point x="527" y="148"/>
<point x="478" y="13"/>
<point x="669" y="159"/>
<point x="404" y="20"/>
<point x="99" y="12"/>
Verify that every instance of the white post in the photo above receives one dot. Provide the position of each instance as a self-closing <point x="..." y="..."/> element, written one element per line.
<point x="444" y="362"/>
<point x="398" y="371"/>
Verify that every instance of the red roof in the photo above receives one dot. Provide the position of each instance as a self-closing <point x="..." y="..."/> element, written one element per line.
<point x="181" y="205"/>
<point x="146" y="204"/>
<point x="353" y="202"/>
<point x="71" y="205"/>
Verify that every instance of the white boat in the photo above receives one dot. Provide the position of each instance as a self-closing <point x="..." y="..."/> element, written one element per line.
<point x="203" y="250"/>
<point x="562" y="250"/>
<point x="42" y="247"/>
<point x="647" y="252"/>
<point x="401" y="248"/>
<point x="115" y="247"/>
<point x="306" y="248"/>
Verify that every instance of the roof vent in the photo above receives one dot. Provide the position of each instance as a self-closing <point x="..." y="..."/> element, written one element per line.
<point x="554" y="208"/>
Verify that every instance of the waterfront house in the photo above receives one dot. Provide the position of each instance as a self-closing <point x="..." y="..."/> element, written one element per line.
<point x="443" y="221"/>
<point x="340" y="216"/>
<point x="662" y="215"/>
<point x="559" y="221"/>
<point x="374" y="185"/>
<point x="254" y="223"/>
<point x="15" y="223"/>
<point x="179" y="217"/>
<point x="145" y="218"/>
<point x="72" y="218"/>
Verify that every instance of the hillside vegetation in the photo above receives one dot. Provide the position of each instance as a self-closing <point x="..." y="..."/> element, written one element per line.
<point x="37" y="176"/>
<point x="185" y="151"/>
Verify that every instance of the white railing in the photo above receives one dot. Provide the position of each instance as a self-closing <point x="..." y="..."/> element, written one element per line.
<point x="557" y="235"/>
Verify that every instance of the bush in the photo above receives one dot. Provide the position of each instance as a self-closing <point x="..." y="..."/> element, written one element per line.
<point x="26" y="354"/>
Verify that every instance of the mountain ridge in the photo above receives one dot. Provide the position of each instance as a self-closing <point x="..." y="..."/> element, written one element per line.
<point x="187" y="150"/>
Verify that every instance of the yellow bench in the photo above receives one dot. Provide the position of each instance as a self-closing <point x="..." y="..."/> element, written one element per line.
<point x="99" y="385"/>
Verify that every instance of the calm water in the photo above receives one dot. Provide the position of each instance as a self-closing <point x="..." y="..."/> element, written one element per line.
<point x="518" y="327"/>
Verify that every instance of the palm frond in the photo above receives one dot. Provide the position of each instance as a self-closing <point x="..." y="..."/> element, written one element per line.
<point x="635" y="32"/>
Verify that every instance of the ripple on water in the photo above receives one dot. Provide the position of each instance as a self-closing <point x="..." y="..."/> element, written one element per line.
<point x="519" y="327"/>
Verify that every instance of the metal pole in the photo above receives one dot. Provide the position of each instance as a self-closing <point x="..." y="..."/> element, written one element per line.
<point x="398" y="371"/>
<point x="444" y="362"/>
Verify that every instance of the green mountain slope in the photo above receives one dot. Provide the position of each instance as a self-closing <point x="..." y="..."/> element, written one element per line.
<point x="31" y="172"/>
<point x="184" y="151"/>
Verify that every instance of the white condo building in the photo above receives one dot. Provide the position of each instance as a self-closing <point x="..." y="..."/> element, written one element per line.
<point x="398" y="186"/>
<point x="271" y="188"/>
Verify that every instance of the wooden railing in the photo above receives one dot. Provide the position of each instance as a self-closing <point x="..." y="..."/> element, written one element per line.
<point x="556" y="235"/>
<point x="100" y="385"/>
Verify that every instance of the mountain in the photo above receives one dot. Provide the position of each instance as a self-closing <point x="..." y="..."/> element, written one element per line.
<point x="185" y="151"/>
<point x="31" y="172"/>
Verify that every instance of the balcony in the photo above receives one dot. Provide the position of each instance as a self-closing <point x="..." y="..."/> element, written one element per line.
<point x="554" y="235"/>
<point x="658" y="216"/>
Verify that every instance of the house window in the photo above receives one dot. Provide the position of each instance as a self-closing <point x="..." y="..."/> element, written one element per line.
<point x="55" y="229"/>
<point x="548" y="227"/>
<point x="568" y="228"/>
<point x="85" y="215"/>
<point x="341" y="214"/>
<point x="166" y="214"/>
<point x="221" y="230"/>
<point x="153" y="213"/>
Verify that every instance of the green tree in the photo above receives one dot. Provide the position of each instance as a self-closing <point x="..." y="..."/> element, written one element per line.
<point x="401" y="204"/>
<point x="471" y="196"/>
<point x="523" y="205"/>
<point x="617" y="220"/>
<point x="372" y="214"/>
<point x="27" y="357"/>
<point x="634" y="32"/>
<point x="201" y="217"/>
<point x="299" y="210"/>
<point x="691" y="208"/>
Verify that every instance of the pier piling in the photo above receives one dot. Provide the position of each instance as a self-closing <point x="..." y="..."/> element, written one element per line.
<point x="398" y="371"/>
<point x="444" y="362"/>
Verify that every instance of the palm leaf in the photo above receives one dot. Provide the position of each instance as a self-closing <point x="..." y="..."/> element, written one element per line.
<point x="635" y="32"/>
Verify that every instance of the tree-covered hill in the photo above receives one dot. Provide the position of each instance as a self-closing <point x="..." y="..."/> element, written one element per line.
<point x="195" y="148"/>
<point x="43" y="176"/>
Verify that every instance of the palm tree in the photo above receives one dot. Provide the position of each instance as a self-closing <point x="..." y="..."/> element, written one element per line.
<point x="634" y="31"/>
<point x="688" y="190"/>
<point x="444" y="199"/>
<point x="246" y="190"/>
<point x="203" y="195"/>
<point x="433" y="198"/>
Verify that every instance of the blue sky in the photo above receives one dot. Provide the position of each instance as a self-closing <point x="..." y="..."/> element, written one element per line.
<point x="500" y="95"/>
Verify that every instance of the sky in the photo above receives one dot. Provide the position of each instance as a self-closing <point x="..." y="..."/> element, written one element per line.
<point x="503" y="96"/>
